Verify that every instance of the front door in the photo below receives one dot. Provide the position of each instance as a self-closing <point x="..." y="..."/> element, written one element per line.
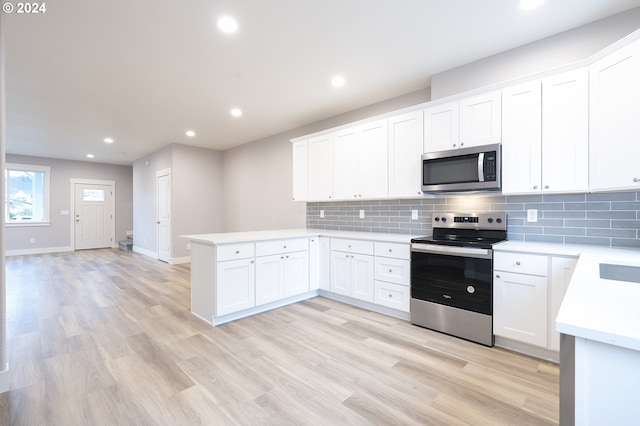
<point x="93" y="216"/>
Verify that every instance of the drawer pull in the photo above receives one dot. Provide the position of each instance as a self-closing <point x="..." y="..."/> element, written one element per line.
<point x="497" y="276"/>
<point x="237" y="251"/>
<point x="390" y="250"/>
<point x="518" y="263"/>
<point x="284" y="246"/>
<point x="390" y="270"/>
<point x="391" y="296"/>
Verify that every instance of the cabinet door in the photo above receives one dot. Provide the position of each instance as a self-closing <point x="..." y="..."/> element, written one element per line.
<point x="269" y="279"/>
<point x="362" y="277"/>
<point x="522" y="139"/>
<point x="405" y="149"/>
<point x="442" y="127"/>
<point x="565" y="132"/>
<point x="340" y="273"/>
<point x="614" y="127"/>
<point x="561" y="271"/>
<point x="520" y="307"/>
<point x="345" y="165"/>
<point x="480" y="119"/>
<point x="300" y="170"/>
<point x="296" y="273"/>
<point x="321" y="168"/>
<point x="373" y="160"/>
<point x="314" y="263"/>
<point x="235" y="286"/>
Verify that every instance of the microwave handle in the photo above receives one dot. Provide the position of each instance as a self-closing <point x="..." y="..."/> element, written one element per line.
<point x="481" y="167"/>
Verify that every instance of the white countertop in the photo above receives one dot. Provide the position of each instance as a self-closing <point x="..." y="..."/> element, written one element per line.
<point x="238" y="237"/>
<point x="598" y="309"/>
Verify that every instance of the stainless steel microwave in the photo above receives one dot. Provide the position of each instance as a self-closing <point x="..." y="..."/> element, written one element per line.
<point x="466" y="169"/>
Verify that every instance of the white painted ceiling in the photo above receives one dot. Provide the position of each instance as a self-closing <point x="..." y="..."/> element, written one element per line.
<point x="145" y="71"/>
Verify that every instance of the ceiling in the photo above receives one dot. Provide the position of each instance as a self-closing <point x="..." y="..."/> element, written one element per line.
<point x="143" y="72"/>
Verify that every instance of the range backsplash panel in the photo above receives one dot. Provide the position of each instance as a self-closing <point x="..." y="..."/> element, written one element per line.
<point x="605" y="219"/>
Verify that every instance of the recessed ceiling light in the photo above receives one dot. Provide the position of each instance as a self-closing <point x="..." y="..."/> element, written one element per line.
<point x="227" y="24"/>
<point x="530" y="4"/>
<point x="190" y="133"/>
<point x="108" y="140"/>
<point x="236" y="112"/>
<point x="338" y="81"/>
<point x="90" y="155"/>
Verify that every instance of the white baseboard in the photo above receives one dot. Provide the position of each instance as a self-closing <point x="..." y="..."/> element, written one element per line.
<point x="179" y="260"/>
<point x="145" y="252"/>
<point x="44" y="250"/>
<point x="4" y="379"/>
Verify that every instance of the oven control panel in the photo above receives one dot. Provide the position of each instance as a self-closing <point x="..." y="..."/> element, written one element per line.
<point x="492" y="220"/>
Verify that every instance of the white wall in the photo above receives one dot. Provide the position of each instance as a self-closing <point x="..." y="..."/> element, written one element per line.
<point x="196" y="195"/>
<point x="258" y="176"/>
<point x="144" y="199"/>
<point x="57" y="236"/>
<point x="560" y="49"/>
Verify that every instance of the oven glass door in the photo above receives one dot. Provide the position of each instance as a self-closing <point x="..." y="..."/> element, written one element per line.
<point x="458" y="281"/>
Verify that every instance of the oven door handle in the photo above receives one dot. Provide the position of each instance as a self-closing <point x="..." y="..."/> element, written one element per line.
<point x="453" y="251"/>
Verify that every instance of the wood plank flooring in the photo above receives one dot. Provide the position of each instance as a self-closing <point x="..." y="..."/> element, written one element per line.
<point x="105" y="337"/>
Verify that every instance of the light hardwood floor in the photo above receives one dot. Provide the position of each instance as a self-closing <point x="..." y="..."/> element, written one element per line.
<point x="105" y="337"/>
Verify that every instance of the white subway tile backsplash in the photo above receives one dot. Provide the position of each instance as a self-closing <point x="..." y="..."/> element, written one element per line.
<point x="607" y="219"/>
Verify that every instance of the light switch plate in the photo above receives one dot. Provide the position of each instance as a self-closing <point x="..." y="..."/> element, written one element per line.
<point x="361" y="214"/>
<point x="414" y="214"/>
<point x="532" y="215"/>
<point x="321" y="213"/>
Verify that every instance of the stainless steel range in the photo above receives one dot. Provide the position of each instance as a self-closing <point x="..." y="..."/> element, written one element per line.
<point x="452" y="274"/>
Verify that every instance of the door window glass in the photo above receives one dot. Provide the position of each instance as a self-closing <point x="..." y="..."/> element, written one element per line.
<point x="93" y="194"/>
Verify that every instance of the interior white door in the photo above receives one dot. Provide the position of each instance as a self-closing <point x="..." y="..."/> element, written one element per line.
<point x="93" y="216"/>
<point x="164" y="217"/>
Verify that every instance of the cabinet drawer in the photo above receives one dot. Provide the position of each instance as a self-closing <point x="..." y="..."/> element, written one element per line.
<point x="234" y="251"/>
<point x="532" y="264"/>
<point x="352" y="246"/>
<point x="391" y="295"/>
<point x="396" y="250"/>
<point x="392" y="270"/>
<point x="266" y="248"/>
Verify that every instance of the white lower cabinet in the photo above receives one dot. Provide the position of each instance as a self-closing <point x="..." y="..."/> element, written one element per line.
<point x="352" y="268"/>
<point x="281" y="275"/>
<point x="392" y="271"/>
<point x="527" y="293"/>
<point x="235" y="286"/>
<point x="561" y="271"/>
<point x="520" y="307"/>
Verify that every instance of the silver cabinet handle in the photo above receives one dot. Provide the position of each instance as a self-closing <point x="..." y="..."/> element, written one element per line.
<point x="546" y="187"/>
<point x="535" y="186"/>
<point x="390" y="270"/>
<point x="497" y="276"/>
<point x="518" y="263"/>
<point x="636" y="180"/>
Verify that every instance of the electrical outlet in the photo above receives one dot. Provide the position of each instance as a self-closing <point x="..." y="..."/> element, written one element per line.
<point x="32" y="240"/>
<point x="361" y="214"/>
<point x="321" y="213"/>
<point x="532" y="215"/>
<point x="188" y="246"/>
<point x="414" y="214"/>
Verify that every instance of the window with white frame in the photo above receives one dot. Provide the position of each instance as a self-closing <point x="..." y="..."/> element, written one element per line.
<point x="26" y="193"/>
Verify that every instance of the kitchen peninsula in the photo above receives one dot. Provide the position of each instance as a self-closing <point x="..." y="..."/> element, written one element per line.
<point x="238" y="274"/>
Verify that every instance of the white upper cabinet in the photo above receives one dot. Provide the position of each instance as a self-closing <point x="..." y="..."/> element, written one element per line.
<point x="360" y="157"/>
<point x="521" y="138"/>
<point x="321" y="168"/>
<point x="565" y="132"/>
<point x="545" y="135"/>
<point x="301" y="170"/>
<point x="405" y="149"/>
<point x="373" y="159"/>
<point x="471" y="121"/>
<point x="442" y="127"/>
<point x="345" y="164"/>
<point x="480" y="119"/>
<point x="614" y="88"/>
